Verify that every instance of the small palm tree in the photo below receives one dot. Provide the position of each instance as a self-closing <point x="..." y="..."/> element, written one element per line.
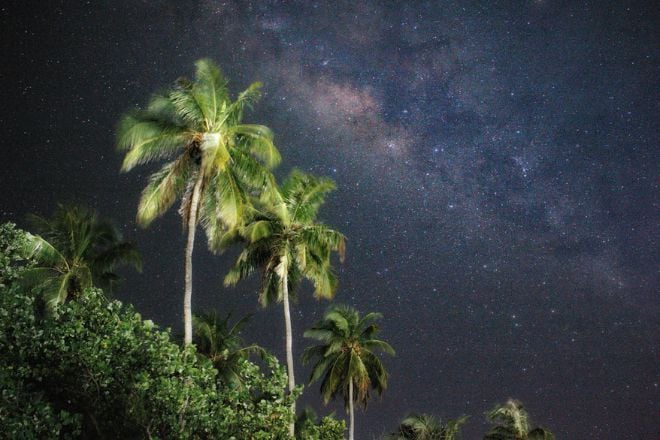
<point x="513" y="423"/>
<point x="427" y="427"/>
<point x="346" y="357"/>
<point x="74" y="250"/>
<point x="222" y="344"/>
<point x="284" y="240"/>
<point x="212" y="158"/>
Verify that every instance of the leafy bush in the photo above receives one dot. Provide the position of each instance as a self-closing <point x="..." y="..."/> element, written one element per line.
<point x="12" y="241"/>
<point x="96" y="369"/>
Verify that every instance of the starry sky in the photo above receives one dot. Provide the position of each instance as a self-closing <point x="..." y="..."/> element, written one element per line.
<point x="497" y="170"/>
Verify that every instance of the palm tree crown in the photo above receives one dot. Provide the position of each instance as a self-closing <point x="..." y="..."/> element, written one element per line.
<point x="212" y="160"/>
<point x="75" y="250"/>
<point x="346" y="357"/>
<point x="198" y="130"/>
<point x="221" y="342"/>
<point x="513" y="423"/>
<point x="427" y="427"/>
<point x="283" y="237"/>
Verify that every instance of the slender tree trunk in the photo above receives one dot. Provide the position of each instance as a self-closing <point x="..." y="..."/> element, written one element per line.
<point x="351" y="429"/>
<point x="192" y="226"/>
<point x="289" y="344"/>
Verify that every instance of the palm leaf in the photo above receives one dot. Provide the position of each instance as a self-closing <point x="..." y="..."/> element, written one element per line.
<point x="209" y="92"/>
<point x="56" y="291"/>
<point x="164" y="187"/>
<point x="258" y="141"/>
<point x="36" y="247"/>
<point x="121" y="254"/>
<point x="233" y="114"/>
<point x="453" y="427"/>
<point x="229" y="198"/>
<point x="148" y="140"/>
<point x="375" y="344"/>
<point x="186" y="106"/>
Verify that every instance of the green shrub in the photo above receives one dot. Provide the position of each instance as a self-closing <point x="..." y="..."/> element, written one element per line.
<point x="96" y="369"/>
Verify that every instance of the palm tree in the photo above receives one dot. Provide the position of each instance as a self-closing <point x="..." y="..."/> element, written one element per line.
<point x="212" y="159"/>
<point x="284" y="240"/>
<point x="222" y="344"/>
<point x="426" y="427"/>
<point x="346" y="357"/>
<point x="75" y="250"/>
<point x="513" y="423"/>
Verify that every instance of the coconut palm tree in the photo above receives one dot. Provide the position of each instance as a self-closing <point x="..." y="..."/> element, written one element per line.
<point x="75" y="250"/>
<point x="221" y="342"/>
<point x="427" y="427"/>
<point x="211" y="158"/>
<point x="284" y="240"/>
<point x="346" y="357"/>
<point x="513" y="423"/>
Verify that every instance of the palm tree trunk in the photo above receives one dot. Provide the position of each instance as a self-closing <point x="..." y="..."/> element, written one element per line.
<point x="289" y="345"/>
<point x="192" y="226"/>
<point x="351" y="429"/>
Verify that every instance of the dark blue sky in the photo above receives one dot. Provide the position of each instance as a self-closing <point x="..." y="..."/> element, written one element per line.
<point x="497" y="169"/>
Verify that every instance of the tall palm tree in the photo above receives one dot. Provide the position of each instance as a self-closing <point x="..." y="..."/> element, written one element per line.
<point x="346" y="357"/>
<point x="75" y="250"/>
<point x="513" y="423"/>
<point x="427" y="427"/>
<point x="221" y="342"/>
<point x="284" y="240"/>
<point x="212" y="158"/>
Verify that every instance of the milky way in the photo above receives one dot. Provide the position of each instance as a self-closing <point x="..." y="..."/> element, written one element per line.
<point x="496" y="167"/>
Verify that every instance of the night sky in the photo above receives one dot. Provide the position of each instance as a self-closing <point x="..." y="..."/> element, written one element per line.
<point x="497" y="169"/>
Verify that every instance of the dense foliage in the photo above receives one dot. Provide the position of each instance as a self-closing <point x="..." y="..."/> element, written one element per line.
<point x="309" y="428"/>
<point x="96" y="369"/>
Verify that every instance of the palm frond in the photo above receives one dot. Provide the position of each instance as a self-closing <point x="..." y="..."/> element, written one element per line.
<point x="246" y="99"/>
<point x="210" y="92"/>
<point x="242" y="268"/>
<point x="56" y="291"/>
<point x="258" y="141"/>
<point x="257" y="230"/>
<point x="34" y="277"/>
<point x="311" y="352"/>
<point x="378" y="345"/>
<point x="305" y="194"/>
<point x="148" y="140"/>
<point x="228" y="197"/>
<point x="36" y="247"/>
<point x="120" y="254"/>
<point x="320" y="334"/>
<point x="186" y="106"/>
<point x="453" y="427"/>
<point x="164" y="187"/>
